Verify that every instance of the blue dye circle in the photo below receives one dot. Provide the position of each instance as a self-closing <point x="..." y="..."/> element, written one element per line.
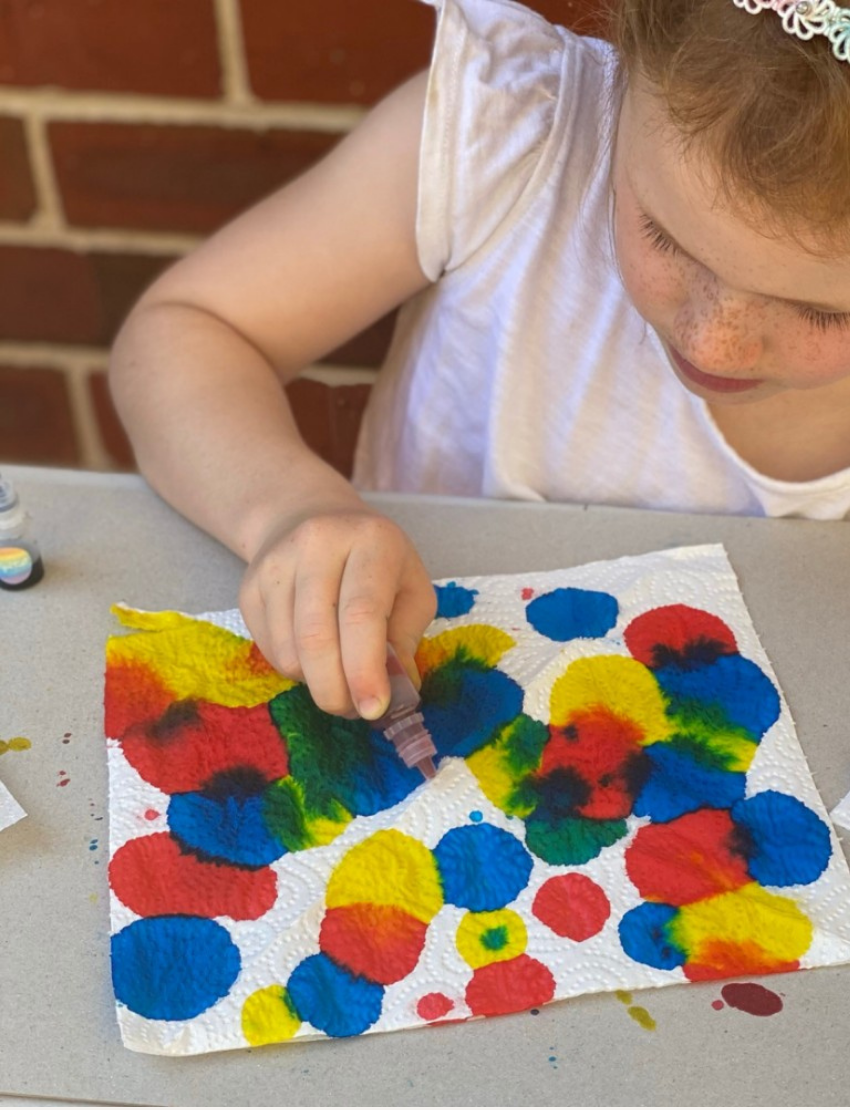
<point x="482" y="867"/>
<point x="332" y="999"/>
<point x="476" y="815"/>
<point x="476" y="706"/>
<point x="789" y="843"/>
<point x="173" y="968"/>
<point x="644" y="936"/>
<point x="571" y="614"/>
<point x="229" y="828"/>
<point x="454" y="600"/>
<point x="678" y="783"/>
<point x="734" y="687"/>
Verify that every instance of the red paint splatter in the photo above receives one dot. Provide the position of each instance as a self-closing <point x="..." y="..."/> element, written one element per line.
<point x="572" y="906"/>
<point x="752" y="999"/>
<point x="527" y="593"/>
<point x="151" y="814"/>
<point x="151" y="875"/>
<point x="194" y="741"/>
<point x="717" y="1004"/>
<point x="63" y="778"/>
<point x="431" y="1007"/>
<point x="688" y="859"/>
<point x="382" y="943"/>
<point x="510" y="985"/>
<point x="66" y="739"/>
<point x="678" y="632"/>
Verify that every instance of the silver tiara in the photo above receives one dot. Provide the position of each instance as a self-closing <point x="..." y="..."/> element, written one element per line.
<point x="807" y="18"/>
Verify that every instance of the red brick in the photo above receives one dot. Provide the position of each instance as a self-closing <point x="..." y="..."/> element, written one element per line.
<point x="121" y="279"/>
<point x="145" y="46"/>
<point x="169" y="177"/>
<point x="328" y="418"/>
<point x="36" y="425"/>
<point x="334" y="50"/>
<point x="17" y="193"/>
<point x="112" y="433"/>
<point x="339" y="51"/>
<point x="49" y="295"/>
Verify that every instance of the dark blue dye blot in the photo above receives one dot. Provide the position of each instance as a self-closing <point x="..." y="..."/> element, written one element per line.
<point x="476" y="816"/>
<point x="228" y="828"/>
<point x="787" y="842"/>
<point x="571" y="614"/>
<point x="482" y="867"/>
<point x="643" y="935"/>
<point x="733" y="687"/>
<point x="454" y="600"/>
<point x="332" y="999"/>
<point x="678" y="783"/>
<point x="483" y="702"/>
<point x="377" y="782"/>
<point x="173" y="968"/>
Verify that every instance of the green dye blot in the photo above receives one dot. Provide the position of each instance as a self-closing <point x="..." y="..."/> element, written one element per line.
<point x="496" y="938"/>
<point x="574" y="840"/>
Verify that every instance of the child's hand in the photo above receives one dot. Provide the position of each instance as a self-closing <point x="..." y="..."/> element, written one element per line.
<point x="322" y="599"/>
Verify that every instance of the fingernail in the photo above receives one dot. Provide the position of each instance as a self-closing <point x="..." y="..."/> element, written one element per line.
<point x="370" y="708"/>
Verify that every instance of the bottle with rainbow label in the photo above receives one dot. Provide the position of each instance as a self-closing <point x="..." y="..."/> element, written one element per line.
<point x="20" y="559"/>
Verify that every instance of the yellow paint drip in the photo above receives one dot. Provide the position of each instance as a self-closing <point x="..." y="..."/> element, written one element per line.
<point x="16" y="744"/>
<point x="625" y="997"/>
<point x="642" y="1017"/>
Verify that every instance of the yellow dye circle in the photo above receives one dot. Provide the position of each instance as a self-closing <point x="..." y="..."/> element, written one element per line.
<point x="268" y="1016"/>
<point x="745" y="917"/>
<point x="388" y="869"/>
<point x="488" y="938"/>
<point x="622" y="686"/>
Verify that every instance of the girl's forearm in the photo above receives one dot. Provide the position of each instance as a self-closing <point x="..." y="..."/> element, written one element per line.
<point x="212" y="428"/>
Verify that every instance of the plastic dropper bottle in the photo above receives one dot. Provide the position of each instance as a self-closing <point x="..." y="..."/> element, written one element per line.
<point x="402" y="724"/>
<point x="20" y="559"/>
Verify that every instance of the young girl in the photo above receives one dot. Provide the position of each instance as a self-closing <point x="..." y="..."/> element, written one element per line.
<point x="626" y="280"/>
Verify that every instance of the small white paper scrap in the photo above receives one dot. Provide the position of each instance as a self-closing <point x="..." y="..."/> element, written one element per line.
<point x="841" y="814"/>
<point x="10" y="811"/>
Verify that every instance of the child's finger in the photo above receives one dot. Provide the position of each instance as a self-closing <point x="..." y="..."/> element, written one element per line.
<point x="415" y="608"/>
<point x="366" y="599"/>
<point x="316" y="630"/>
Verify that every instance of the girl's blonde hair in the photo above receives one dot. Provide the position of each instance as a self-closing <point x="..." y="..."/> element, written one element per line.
<point x="771" y="112"/>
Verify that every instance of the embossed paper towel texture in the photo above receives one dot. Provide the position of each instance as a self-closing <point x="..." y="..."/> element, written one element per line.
<point x="10" y="811"/>
<point x="621" y="802"/>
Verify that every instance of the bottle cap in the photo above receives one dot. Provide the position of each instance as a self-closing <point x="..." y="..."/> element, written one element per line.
<point x="12" y="515"/>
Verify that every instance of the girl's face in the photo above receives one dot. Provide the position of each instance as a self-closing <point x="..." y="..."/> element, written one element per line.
<point x="742" y="315"/>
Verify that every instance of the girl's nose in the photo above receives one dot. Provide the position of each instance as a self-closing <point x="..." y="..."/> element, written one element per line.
<point x="722" y="332"/>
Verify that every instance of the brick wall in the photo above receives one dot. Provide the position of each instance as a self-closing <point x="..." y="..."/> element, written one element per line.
<point x="130" y="129"/>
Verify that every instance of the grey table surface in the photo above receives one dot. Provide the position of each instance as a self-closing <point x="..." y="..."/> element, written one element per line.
<point x="107" y="538"/>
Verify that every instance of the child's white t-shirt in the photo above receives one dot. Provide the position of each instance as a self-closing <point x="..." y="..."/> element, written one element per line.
<point x="524" y="371"/>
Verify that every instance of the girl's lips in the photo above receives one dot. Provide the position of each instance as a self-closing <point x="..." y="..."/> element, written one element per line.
<point x="710" y="381"/>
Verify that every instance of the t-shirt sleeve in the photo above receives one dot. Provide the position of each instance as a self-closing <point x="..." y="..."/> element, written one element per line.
<point x="493" y="93"/>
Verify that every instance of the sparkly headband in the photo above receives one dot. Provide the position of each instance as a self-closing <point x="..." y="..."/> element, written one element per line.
<point x="807" y="18"/>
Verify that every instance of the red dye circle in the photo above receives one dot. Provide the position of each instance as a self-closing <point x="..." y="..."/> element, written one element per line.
<point x="509" y="986"/>
<point x="677" y="630"/>
<point x="687" y="859"/>
<point x="382" y="943"/>
<point x="602" y="749"/>
<point x="194" y="741"/>
<point x="152" y="876"/>
<point x="527" y="593"/>
<point x="572" y="906"/>
<point x="151" y="814"/>
<point x="752" y="999"/>
<point x="717" y="1004"/>
<point x="431" y="1007"/>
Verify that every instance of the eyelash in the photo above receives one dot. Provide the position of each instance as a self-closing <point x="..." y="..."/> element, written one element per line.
<point x="821" y="321"/>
